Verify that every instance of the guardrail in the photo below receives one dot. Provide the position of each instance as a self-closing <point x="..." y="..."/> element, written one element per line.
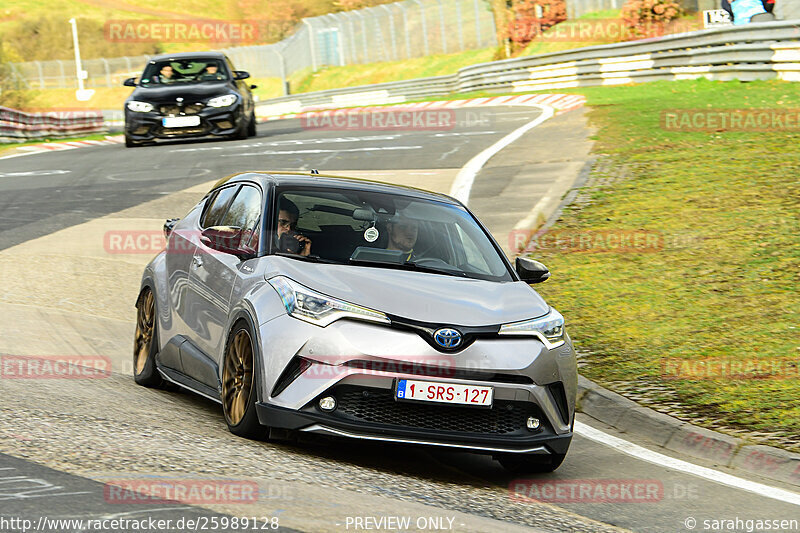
<point x="757" y="51"/>
<point x="21" y="126"/>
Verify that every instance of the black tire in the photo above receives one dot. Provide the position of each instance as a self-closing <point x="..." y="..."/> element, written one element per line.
<point x="241" y="130"/>
<point x="240" y="384"/>
<point x="251" y="125"/>
<point x="129" y="142"/>
<point x="519" y="463"/>
<point x="145" y="341"/>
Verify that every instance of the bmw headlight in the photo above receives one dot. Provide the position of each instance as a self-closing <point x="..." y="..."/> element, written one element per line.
<point x="311" y="306"/>
<point x="222" y="101"/>
<point x="140" y="107"/>
<point x="549" y="329"/>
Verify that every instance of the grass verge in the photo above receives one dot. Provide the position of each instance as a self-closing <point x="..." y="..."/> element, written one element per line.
<point x="715" y="303"/>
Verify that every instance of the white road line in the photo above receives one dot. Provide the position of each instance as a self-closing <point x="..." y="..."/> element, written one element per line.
<point x="328" y="151"/>
<point x="462" y="185"/>
<point x="639" y="452"/>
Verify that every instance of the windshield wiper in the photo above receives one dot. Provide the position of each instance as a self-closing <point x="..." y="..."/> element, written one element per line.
<point x="309" y="258"/>
<point x="409" y="265"/>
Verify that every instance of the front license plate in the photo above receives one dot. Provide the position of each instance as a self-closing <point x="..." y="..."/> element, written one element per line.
<point x="180" y="122"/>
<point x="431" y="391"/>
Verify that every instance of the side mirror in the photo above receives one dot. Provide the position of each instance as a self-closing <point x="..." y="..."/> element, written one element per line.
<point x="225" y="239"/>
<point x="240" y="74"/>
<point x="169" y="225"/>
<point x="253" y="87"/>
<point x="531" y="271"/>
<point x="130" y="82"/>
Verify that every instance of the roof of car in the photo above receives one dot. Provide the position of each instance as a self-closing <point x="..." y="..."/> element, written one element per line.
<point x="284" y="178"/>
<point x="188" y="55"/>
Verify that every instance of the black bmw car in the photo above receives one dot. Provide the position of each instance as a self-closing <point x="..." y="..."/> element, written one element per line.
<point x="189" y="95"/>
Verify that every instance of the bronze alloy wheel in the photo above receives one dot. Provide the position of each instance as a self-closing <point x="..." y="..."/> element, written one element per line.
<point x="237" y="377"/>
<point x="145" y="326"/>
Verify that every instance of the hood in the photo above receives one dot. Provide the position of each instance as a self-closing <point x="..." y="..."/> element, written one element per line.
<point x="160" y="94"/>
<point x="432" y="298"/>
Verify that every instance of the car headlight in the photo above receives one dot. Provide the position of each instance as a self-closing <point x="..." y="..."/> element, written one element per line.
<point x="140" y="107"/>
<point x="311" y="306"/>
<point x="222" y="101"/>
<point x="549" y="329"/>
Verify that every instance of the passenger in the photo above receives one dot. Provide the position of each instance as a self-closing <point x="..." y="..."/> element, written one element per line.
<point x="287" y="222"/>
<point x="403" y="233"/>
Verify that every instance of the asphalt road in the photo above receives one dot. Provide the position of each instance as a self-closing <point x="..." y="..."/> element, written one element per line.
<point x="112" y="428"/>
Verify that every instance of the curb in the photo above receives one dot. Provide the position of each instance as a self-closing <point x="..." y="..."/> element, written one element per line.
<point x="63" y="145"/>
<point x="684" y="438"/>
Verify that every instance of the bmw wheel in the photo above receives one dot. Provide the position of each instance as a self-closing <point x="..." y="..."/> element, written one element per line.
<point x="251" y="125"/>
<point x="145" y="341"/>
<point x="240" y="384"/>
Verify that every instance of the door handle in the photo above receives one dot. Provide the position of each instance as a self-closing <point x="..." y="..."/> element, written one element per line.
<point x="196" y="262"/>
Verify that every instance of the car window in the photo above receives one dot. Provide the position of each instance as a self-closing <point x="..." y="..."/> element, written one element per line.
<point x="217" y="205"/>
<point x="382" y="229"/>
<point x="185" y="72"/>
<point x="245" y="213"/>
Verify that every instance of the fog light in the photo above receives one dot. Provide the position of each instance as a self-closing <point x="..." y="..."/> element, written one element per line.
<point x="532" y="423"/>
<point x="328" y="403"/>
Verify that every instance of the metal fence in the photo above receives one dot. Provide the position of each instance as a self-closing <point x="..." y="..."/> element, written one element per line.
<point x="756" y="51"/>
<point x="402" y="30"/>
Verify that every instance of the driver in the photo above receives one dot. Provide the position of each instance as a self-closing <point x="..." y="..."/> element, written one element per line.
<point x="288" y="213"/>
<point x="165" y="75"/>
<point x="211" y="73"/>
<point x="403" y="233"/>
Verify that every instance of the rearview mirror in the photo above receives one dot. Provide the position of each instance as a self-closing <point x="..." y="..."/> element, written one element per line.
<point x="240" y="74"/>
<point x="130" y="82"/>
<point x="531" y="271"/>
<point x="367" y="215"/>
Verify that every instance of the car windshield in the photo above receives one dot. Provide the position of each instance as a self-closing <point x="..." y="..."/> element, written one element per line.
<point x="184" y="72"/>
<point x="385" y="230"/>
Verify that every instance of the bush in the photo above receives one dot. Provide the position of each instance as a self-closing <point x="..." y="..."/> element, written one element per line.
<point x="526" y="25"/>
<point x="650" y="18"/>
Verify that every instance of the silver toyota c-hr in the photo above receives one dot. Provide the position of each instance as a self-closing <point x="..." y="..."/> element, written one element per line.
<point x="350" y="308"/>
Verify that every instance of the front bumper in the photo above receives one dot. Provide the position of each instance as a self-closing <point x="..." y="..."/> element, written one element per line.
<point x="214" y="121"/>
<point x="358" y="364"/>
<point x="543" y="442"/>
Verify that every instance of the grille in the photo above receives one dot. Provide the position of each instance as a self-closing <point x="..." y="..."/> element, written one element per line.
<point x="379" y="407"/>
<point x="174" y="109"/>
<point x="411" y="367"/>
<point x="166" y="132"/>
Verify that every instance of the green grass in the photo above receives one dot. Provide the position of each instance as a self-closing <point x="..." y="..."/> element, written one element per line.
<point x="724" y="286"/>
<point x="420" y="67"/>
